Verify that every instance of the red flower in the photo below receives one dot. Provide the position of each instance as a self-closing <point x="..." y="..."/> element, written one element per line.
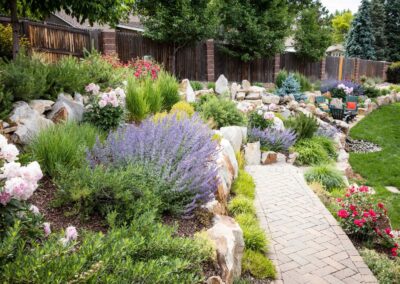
<point x="388" y="231"/>
<point x="372" y="213"/>
<point x="378" y="231"/>
<point x="366" y="214"/>
<point x="339" y="200"/>
<point x="342" y="213"/>
<point x="352" y="207"/>
<point x="363" y="188"/>
<point x="348" y="194"/>
<point x="380" y="205"/>
<point x="394" y="251"/>
<point x="355" y="213"/>
<point x="358" y="222"/>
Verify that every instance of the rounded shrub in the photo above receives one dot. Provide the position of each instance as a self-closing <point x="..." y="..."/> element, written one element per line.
<point x="244" y="185"/>
<point x="305" y="126"/>
<point x="241" y="204"/>
<point x="315" y="151"/>
<point x="184" y="107"/>
<point x="326" y="175"/>
<point x="258" y="265"/>
<point x="393" y="73"/>
<point x="254" y="237"/>
<point x="246" y="219"/>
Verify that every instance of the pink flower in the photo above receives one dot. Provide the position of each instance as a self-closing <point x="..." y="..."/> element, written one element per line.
<point x="34" y="209"/>
<point x="394" y="251"/>
<point x="339" y="200"/>
<point x="92" y="88"/>
<point x="71" y="233"/>
<point x="9" y="152"/>
<point x="372" y="213"/>
<point x="10" y="170"/>
<point x="269" y="115"/>
<point x="18" y="188"/>
<point x="46" y="228"/>
<point x="5" y="197"/>
<point x="363" y="189"/>
<point x="3" y="141"/>
<point x="381" y="205"/>
<point x="102" y="103"/>
<point x="342" y="213"/>
<point x="366" y="214"/>
<point x="32" y="172"/>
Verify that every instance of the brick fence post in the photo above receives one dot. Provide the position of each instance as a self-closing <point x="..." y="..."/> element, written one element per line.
<point x="357" y="70"/>
<point x="322" y="74"/>
<point x="108" y="42"/>
<point x="277" y="65"/>
<point x="210" y="60"/>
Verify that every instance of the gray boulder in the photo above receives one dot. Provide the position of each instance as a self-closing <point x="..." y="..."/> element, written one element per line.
<point x="221" y="85"/>
<point x="67" y="109"/>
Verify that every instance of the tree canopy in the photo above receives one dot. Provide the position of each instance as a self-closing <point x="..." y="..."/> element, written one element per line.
<point x="378" y="28"/>
<point x="360" y="40"/>
<point x="392" y="29"/>
<point x="313" y="34"/>
<point x="252" y="29"/>
<point x="341" y="25"/>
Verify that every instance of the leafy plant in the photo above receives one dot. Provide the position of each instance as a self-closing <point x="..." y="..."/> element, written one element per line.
<point x="305" y="126"/>
<point x="62" y="145"/>
<point x="211" y="85"/>
<point x="332" y="86"/>
<point x="152" y="95"/>
<point x="258" y="265"/>
<point x="183" y="107"/>
<point x="180" y="151"/>
<point x="272" y="139"/>
<point x="315" y="151"/>
<point x="241" y="204"/>
<point x="326" y="175"/>
<point x="6" y="41"/>
<point x="393" y="73"/>
<point x="290" y="87"/>
<point x="221" y="112"/>
<point x="305" y="84"/>
<point x="386" y="270"/>
<point x="6" y="100"/>
<point x="280" y="78"/>
<point x="196" y="85"/>
<point x="25" y="77"/>
<point x="244" y="185"/>
<point x="167" y="86"/>
<point x="257" y="120"/>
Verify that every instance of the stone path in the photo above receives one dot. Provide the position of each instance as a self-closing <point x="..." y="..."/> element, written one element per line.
<point x="306" y="242"/>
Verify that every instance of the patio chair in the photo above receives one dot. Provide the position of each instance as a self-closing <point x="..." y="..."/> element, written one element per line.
<point x="352" y="105"/>
<point x="337" y="113"/>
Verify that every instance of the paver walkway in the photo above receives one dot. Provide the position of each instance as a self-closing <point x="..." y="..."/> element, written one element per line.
<point x="307" y="243"/>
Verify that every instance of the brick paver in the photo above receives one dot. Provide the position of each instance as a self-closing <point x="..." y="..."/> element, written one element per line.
<point x="306" y="242"/>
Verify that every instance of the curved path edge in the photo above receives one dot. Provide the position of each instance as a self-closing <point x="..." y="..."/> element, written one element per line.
<point x="307" y="244"/>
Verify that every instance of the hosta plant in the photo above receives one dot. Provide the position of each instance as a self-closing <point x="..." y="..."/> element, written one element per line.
<point x="179" y="151"/>
<point x="366" y="219"/>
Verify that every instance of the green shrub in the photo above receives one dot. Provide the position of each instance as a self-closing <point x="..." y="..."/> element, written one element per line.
<point x="221" y="112"/>
<point x="246" y="220"/>
<point x="144" y="251"/>
<point x="257" y="120"/>
<point x="393" y="73"/>
<point x="326" y="175"/>
<point x="196" y="86"/>
<point x="372" y="92"/>
<point x="6" y="100"/>
<point x="105" y="118"/>
<point x="241" y="204"/>
<point x="258" y="84"/>
<point x="254" y="238"/>
<point x="280" y="78"/>
<point x="136" y="102"/>
<point x="258" y="265"/>
<point x="167" y="86"/>
<point x="62" y="145"/>
<point x="244" y="185"/>
<point x="67" y="75"/>
<point x="183" y="107"/>
<point x="305" y="126"/>
<point x="6" y="43"/>
<point x="211" y="85"/>
<point x="305" y="84"/>
<point x="314" y="151"/>
<point x="152" y="95"/>
<point x="25" y="77"/>
<point x="386" y="270"/>
<point x="130" y="191"/>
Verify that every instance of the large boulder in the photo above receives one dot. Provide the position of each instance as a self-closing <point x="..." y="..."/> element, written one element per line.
<point x="234" y="135"/>
<point x="41" y="106"/>
<point x="269" y="157"/>
<point x="278" y="124"/>
<point x="253" y="96"/>
<point x="383" y="100"/>
<point x="29" y="122"/>
<point x="228" y="239"/>
<point x="229" y="155"/>
<point x="66" y="109"/>
<point x="246" y="85"/>
<point x="221" y="85"/>
<point x="252" y="153"/>
<point x="271" y="99"/>
<point x="186" y="90"/>
<point x="201" y="93"/>
<point x="234" y="90"/>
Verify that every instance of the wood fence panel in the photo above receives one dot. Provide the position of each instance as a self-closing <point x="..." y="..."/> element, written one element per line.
<point x="292" y="63"/>
<point x="371" y="69"/>
<point x="332" y="67"/>
<point x="349" y="65"/>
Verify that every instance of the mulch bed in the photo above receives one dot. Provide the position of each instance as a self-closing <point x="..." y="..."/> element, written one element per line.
<point x="58" y="217"/>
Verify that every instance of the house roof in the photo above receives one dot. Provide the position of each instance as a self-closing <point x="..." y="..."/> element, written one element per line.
<point x="336" y="47"/>
<point x="133" y="23"/>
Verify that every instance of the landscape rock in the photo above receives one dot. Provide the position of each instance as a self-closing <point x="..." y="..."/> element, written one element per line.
<point x="252" y="153"/>
<point x="342" y="126"/>
<point x="253" y="96"/>
<point x="221" y="85"/>
<point x="228" y="239"/>
<point x="245" y="107"/>
<point x="256" y="89"/>
<point x="293" y="105"/>
<point x="278" y="124"/>
<point x="371" y="107"/>
<point x="292" y="158"/>
<point x="271" y="99"/>
<point x="268" y="158"/>
<point x="66" y="109"/>
<point x="215" y="207"/>
<point x="246" y="85"/>
<point x="41" y="106"/>
<point x="285" y="113"/>
<point x="311" y="108"/>
<point x="215" y="280"/>
<point x="234" y="90"/>
<point x="234" y="135"/>
<point x="29" y="122"/>
<point x="227" y="151"/>
<point x="398" y="97"/>
<point x="186" y="90"/>
<point x="383" y="100"/>
<point x="273" y="107"/>
<point x="337" y="103"/>
<point x="240" y="96"/>
<point x="201" y="93"/>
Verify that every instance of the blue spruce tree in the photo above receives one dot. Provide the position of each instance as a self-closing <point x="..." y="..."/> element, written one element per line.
<point x="392" y="30"/>
<point x="360" y="40"/>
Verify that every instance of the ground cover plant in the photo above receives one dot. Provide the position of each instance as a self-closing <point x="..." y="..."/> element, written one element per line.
<point x="314" y="151"/>
<point x="380" y="168"/>
<point x="326" y="175"/>
<point x="305" y="126"/>
<point x="386" y="270"/>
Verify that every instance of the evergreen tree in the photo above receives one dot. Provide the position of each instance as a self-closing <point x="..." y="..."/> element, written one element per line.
<point x="392" y="30"/>
<point x="378" y="28"/>
<point x="313" y="34"/>
<point x="360" y="40"/>
<point x="251" y="29"/>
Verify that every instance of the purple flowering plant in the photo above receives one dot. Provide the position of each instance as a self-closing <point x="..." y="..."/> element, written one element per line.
<point x="273" y="139"/>
<point x="180" y="151"/>
<point x="338" y="88"/>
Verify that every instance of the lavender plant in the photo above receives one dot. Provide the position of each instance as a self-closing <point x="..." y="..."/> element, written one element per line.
<point x="332" y="86"/>
<point x="179" y="151"/>
<point x="273" y="139"/>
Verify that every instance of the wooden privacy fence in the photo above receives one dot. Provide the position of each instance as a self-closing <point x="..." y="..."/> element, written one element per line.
<point x="55" y="41"/>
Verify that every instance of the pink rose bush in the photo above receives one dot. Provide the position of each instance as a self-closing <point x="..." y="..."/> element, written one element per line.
<point x="366" y="219"/>
<point x="347" y="90"/>
<point x="71" y="234"/>
<point x="106" y="108"/>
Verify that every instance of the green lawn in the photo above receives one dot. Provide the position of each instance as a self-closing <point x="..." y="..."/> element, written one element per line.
<point x="381" y="168"/>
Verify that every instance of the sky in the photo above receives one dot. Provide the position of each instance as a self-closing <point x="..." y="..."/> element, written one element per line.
<point x="333" y="5"/>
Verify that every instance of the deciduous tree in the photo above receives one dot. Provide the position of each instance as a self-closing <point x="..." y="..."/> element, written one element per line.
<point x="341" y="25"/>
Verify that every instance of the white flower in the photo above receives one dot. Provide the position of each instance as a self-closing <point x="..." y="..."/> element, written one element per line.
<point x="9" y="152"/>
<point x="10" y="170"/>
<point x="341" y="86"/>
<point x="34" y="209"/>
<point x="19" y="188"/>
<point x="102" y="103"/>
<point x="3" y="141"/>
<point x="120" y="93"/>
<point x="269" y="115"/>
<point x="31" y="172"/>
<point x="259" y="112"/>
<point x="93" y="88"/>
<point x="46" y="228"/>
<point x="71" y="233"/>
